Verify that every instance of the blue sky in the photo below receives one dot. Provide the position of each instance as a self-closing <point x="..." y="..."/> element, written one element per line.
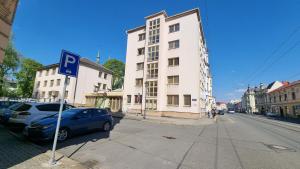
<point x="249" y="41"/>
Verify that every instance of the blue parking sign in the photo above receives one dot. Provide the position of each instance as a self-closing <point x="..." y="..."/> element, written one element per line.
<point x="69" y="64"/>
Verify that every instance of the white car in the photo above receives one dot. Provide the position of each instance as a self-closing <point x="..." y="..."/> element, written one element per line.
<point x="28" y="112"/>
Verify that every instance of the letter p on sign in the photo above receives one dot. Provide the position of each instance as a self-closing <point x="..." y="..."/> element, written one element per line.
<point x="69" y="64"/>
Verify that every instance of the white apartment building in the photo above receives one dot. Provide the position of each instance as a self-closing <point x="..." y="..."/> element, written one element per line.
<point x="167" y="70"/>
<point x="92" y="78"/>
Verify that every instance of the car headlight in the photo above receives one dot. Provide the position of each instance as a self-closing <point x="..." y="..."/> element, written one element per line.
<point x="48" y="126"/>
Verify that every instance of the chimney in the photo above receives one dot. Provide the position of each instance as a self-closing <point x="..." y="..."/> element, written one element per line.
<point x="98" y="58"/>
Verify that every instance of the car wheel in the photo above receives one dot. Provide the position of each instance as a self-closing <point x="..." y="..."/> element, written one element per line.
<point x="63" y="134"/>
<point x="106" y="126"/>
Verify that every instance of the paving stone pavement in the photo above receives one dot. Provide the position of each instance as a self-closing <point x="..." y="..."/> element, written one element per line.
<point x="18" y="154"/>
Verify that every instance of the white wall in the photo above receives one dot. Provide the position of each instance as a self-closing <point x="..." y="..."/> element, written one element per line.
<point x="87" y="78"/>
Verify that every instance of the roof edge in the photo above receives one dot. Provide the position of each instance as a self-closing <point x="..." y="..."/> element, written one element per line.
<point x="163" y="12"/>
<point x="136" y="29"/>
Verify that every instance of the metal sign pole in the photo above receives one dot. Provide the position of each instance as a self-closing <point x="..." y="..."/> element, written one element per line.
<point x="52" y="160"/>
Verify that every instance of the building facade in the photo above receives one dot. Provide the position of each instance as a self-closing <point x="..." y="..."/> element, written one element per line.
<point x="92" y="78"/>
<point x="248" y="101"/>
<point x="167" y="69"/>
<point x="285" y="100"/>
<point x="7" y="14"/>
<point x="261" y="96"/>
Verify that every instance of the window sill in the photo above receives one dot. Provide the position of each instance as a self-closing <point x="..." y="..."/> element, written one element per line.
<point x="170" y="105"/>
<point x="174" y="84"/>
<point x="187" y="106"/>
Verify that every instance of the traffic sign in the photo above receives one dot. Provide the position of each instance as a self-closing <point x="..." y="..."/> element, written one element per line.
<point x="69" y="64"/>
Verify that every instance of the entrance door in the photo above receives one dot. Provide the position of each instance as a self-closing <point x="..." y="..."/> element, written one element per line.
<point x="281" y="112"/>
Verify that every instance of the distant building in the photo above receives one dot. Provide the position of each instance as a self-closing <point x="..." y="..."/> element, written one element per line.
<point x="234" y="105"/>
<point x="261" y="100"/>
<point x="167" y="68"/>
<point x="221" y="106"/>
<point x="7" y="14"/>
<point x="248" y="101"/>
<point x="92" y="78"/>
<point x="285" y="100"/>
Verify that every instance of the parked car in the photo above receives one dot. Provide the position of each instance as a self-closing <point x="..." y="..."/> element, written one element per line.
<point x="6" y="104"/>
<point x="74" y="121"/>
<point x="272" y="114"/>
<point x="221" y="112"/>
<point x="5" y="113"/>
<point x="29" y="112"/>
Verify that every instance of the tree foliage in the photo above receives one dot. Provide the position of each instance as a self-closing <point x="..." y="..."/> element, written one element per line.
<point x="26" y="76"/>
<point x="118" y="68"/>
<point x="8" y="67"/>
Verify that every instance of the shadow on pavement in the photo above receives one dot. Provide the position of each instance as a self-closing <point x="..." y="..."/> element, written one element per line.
<point x="16" y="149"/>
<point x="80" y="140"/>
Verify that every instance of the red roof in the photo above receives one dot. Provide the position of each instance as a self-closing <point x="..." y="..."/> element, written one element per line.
<point x="286" y="85"/>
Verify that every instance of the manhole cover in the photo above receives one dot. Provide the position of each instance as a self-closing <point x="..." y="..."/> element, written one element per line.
<point x="169" y="137"/>
<point x="279" y="148"/>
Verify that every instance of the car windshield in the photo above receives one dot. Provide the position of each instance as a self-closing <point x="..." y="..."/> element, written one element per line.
<point x="15" y="106"/>
<point x="23" y="107"/>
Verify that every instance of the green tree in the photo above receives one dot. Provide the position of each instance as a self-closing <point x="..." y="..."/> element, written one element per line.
<point x="8" y="67"/>
<point x="118" y="68"/>
<point x="26" y="76"/>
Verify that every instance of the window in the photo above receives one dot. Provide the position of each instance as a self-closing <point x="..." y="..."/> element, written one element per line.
<point x="128" y="99"/>
<point x="66" y="94"/>
<point x="43" y="95"/>
<point x="293" y="95"/>
<point x="47" y="72"/>
<point x="68" y="81"/>
<point x="139" y="82"/>
<point x="96" y="88"/>
<point x="274" y="99"/>
<point x="173" y="61"/>
<point x="152" y="70"/>
<point x="138" y="99"/>
<point x="173" y="100"/>
<point x="53" y="71"/>
<point x="51" y="83"/>
<point x="151" y="88"/>
<point x="174" y="44"/>
<point x="40" y="73"/>
<point x="187" y="100"/>
<point x="151" y="104"/>
<point x="38" y="84"/>
<point x="23" y="107"/>
<point x="153" y="53"/>
<point x="173" y="79"/>
<point x="140" y="66"/>
<point x="45" y="83"/>
<point x="174" y="28"/>
<point x="105" y="75"/>
<point x="48" y="107"/>
<point x="270" y="99"/>
<point x="58" y="82"/>
<point x="104" y="86"/>
<point x="154" y="31"/>
<point x="49" y="94"/>
<point x="280" y="98"/>
<point x="142" y="36"/>
<point x="141" y="51"/>
<point x="100" y="74"/>
<point x="285" y="97"/>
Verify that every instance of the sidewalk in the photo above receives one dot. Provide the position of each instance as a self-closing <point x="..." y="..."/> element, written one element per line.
<point x="19" y="154"/>
<point x="285" y="124"/>
<point x="169" y="120"/>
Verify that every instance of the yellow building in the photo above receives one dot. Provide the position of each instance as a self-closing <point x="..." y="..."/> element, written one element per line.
<point x="7" y="13"/>
<point x="285" y="100"/>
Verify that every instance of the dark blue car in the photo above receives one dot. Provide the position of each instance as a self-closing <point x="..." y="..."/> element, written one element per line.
<point x="5" y="113"/>
<point x="73" y="122"/>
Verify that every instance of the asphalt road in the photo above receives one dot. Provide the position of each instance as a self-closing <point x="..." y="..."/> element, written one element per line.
<point x="233" y="142"/>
